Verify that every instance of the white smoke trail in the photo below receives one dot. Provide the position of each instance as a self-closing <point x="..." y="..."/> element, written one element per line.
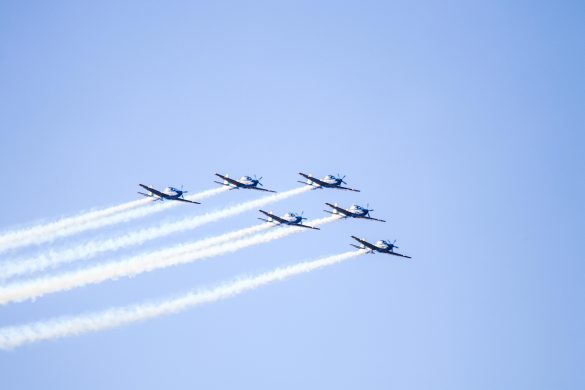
<point x="15" y="336"/>
<point x="180" y="254"/>
<point x="92" y="220"/>
<point x="93" y="248"/>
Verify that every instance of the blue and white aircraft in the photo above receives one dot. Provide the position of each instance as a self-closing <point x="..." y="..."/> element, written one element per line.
<point x="381" y="246"/>
<point x="169" y="193"/>
<point x="355" y="211"/>
<point x="245" y="182"/>
<point x="290" y="218"/>
<point x="328" y="181"/>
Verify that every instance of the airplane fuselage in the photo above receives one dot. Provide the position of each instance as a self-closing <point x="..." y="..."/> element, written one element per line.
<point x="247" y="181"/>
<point x="358" y="211"/>
<point x="328" y="181"/>
<point x="384" y="245"/>
<point x="172" y="193"/>
<point x="292" y="218"/>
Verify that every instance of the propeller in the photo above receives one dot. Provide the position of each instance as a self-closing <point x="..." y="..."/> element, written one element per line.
<point x="368" y="209"/>
<point x="258" y="180"/>
<point x="339" y="176"/>
<point x="183" y="192"/>
<point x="393" y="244"/>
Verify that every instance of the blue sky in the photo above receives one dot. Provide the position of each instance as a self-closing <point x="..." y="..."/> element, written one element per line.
<point x="461" y="122"/>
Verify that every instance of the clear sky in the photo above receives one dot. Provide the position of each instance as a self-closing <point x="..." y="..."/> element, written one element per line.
<point x="461" y="122"/>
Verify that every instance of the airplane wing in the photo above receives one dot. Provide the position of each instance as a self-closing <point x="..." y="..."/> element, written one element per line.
<point x="373" y="219"/>
<point x="274" y="217"/>
<point x="229" y="180"/>
<point x="305" y="226"/>
<point x="341" y="210"/>
<point x="366" y="244"/>
<point x="398" y="254"/>
<point x="260" y="189"/>
<point x="313" y="179"/>
<point x="155" y="192"/>
<point x="155" y="198"/>
<point x="347" y="188"/>
<point x="185" y="200"/>
<point x="307" y="184"/>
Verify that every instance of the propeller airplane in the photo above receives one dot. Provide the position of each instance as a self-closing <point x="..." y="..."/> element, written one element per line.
<point x="328" y="181"/>
<point x="245" y="182"/>
<point x="355" y="211"/>
<point x="169" y="193"/>
<point x="381" y="246"/>
<point x="291" y="219"/>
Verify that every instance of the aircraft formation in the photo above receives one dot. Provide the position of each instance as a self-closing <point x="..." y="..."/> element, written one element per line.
<point x="21" y="278"/>
<point x="292" y="218"/>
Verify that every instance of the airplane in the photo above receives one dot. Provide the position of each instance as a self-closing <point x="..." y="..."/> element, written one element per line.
<point x="382" y="246"/>
<point x="290" y="219"/>
<point x="355" y="211"/>
<point x="169" y="193"/>
<point x="245" y="182"/>
<point x="328" y="181"/>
